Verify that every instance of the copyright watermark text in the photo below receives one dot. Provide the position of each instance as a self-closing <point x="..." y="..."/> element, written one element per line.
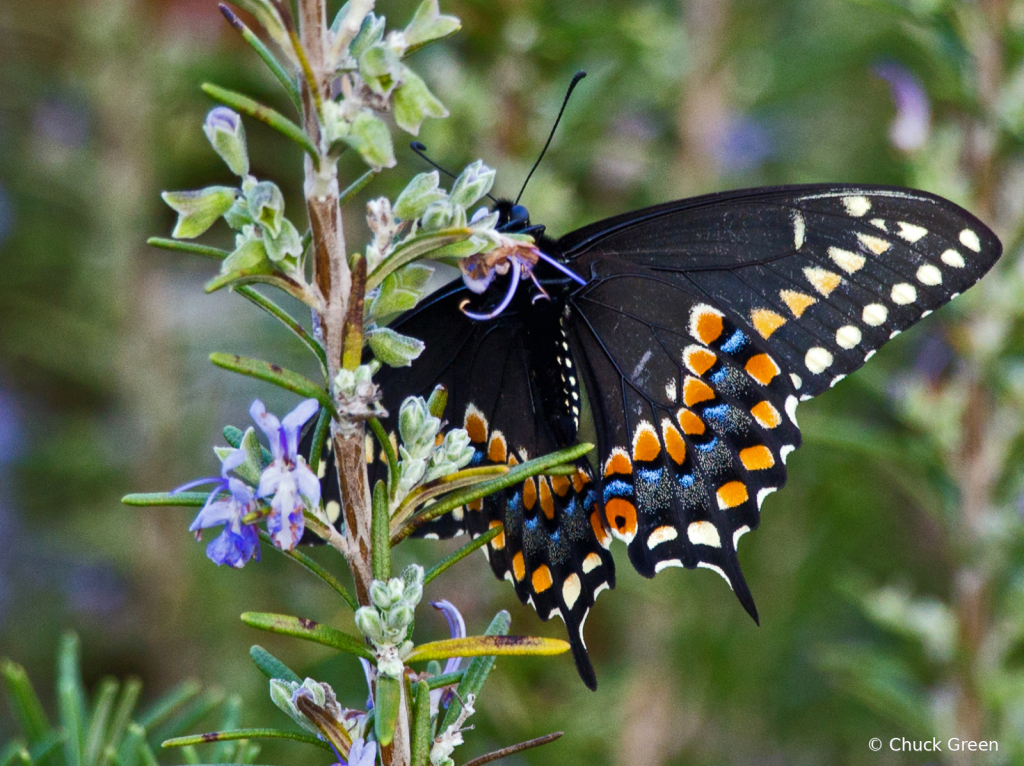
<point x="934" y="745"/>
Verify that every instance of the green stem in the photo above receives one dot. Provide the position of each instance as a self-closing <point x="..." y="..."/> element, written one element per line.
<point x="221" y="736"/>
<point x="315" y="568"/>
<point x="286" y="80"/>
<point x="316" y="450"/>
<point x="389" y="451"/>
<point x="380" y="527"/>
<point x="356" y="186"/>
<point x="181" y="499"/>
<point x="516" y="475"/>
<point x="461" y="553"/>
<point x="188" y="247"/>
<point x="259" y="299"/>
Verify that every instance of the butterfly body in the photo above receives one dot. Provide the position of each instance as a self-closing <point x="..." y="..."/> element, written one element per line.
<point x="691" y="330"/>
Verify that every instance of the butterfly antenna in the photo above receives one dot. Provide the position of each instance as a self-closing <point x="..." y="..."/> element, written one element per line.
<point x="572" y="86"/>
<point x="421" y="151"/>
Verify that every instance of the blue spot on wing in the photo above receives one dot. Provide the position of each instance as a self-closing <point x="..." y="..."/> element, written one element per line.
<point x="707" y="447"/>
<point x="735" y="343"/>
<point x="617" y="488"/>
<point x="718" y="413"/>
<point x="650" y="475"/>
<point x="685" y="480"/>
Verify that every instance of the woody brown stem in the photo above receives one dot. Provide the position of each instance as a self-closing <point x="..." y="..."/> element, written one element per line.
<point x="334" y="281"/>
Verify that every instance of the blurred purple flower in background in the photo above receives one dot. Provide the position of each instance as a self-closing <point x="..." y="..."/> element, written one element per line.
<point x="288" y="478"/>
<point x="910" y="128"/>
<point x="744" y="144"/>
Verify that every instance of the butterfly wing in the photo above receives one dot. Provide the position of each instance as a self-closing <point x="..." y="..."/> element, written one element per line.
<point x="547" y="548"/>
<point x="705" y="321"/>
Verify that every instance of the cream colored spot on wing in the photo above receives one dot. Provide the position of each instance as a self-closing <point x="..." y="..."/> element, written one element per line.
<point x="763" y="493"/>
<point x="704" y="533"/>
<point x="969" y="239"/>
<point x="797" y="382"/>
<point x="791" y="403"/>
<point x="571" y="589"/>
<point x="874" y="314"/>
<point x="929" y="275"/>
<point x="662" y="535"/>
<point x="822" y="280"/>
<point x="848" y="336"/>
<point x="879" y="222"/>
<point x="799" y="229"/>
<point x="876" y="245"/>
<point x="847" y="261"/>
<point x="857" y="206"/>
<point x="818" y="359"/>
<point x="333" y="509"/>
<point x="738" y="534"/>
<point x="953" y="258"/>
<point x="911" y="231"/>
<point x="670" y="391"/>
<point x="591" y="562"/>
<point x="717" y="569"/>
<point x="797" y="302"/>
<point x="903" y="293"/>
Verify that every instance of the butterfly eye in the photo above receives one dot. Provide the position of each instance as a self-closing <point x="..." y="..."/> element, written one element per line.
<point x="519" y="214"/>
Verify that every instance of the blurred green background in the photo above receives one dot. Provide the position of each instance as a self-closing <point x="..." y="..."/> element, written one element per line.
<point x="889" y="574"/>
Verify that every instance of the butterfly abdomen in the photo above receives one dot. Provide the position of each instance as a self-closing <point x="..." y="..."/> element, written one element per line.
<point x="553" y="374"/>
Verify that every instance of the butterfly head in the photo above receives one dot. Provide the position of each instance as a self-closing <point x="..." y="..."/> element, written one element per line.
<point x="515" y="219"/>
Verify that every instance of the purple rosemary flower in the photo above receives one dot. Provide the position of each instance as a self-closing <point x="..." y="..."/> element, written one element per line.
<point x="363" y="753"/>
<point x="457" y="627"/>
<point x="288" y="478"/>
<point x="237" y="542"/>
<point x="909" y="129"/>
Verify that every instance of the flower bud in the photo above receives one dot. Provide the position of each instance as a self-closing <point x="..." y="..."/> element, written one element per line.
<point x="400" y="617"/>
<point x="417" y="426"/>
<point x="288" y="242"/>
<point x="198" y="210"/>
<point x="224" y="129"/>
<point x="413" y="102"/>
<point x="412" y="594"/>
<point x="266" y="206"/>
<point x="437" y="215"/>
<point x="420" y="192"/>
<point x="473" y="183"/>
<point x="380" y="594"/>
<point x="413" y="575"/>
<point x="412" y="471"/>
<point x="369" y="624"/>
<point x="395" y="588"/>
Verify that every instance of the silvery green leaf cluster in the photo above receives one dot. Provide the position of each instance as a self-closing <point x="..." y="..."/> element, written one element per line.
<point x="446" y="742"/>
<point x="266" y="240"/>
<point x="422" y="459"/>
<point x="375" y="80"/>
<point x="387" y="622"/>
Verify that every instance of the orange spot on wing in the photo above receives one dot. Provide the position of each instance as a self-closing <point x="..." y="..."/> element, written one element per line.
<point x="765" y="414"/>
<point x="497" y="451"/>
<point x="798" y="303"/>
<point x="547" y="503"/>
<point x="475" y="425"/>
<point x="708" y="326"/>
<point x="599" y="529"/>
<point x="699" y="360"/>
<point x="766" y="322"/>
<point x="529" y="494"/>
<point x="541" y="578"/>
<point x="498" y="543"/>
<point x="560" y="484"/>
<point x="618" y="463"/>
<point x="762" y="368"/>
<point x="580" y="479"/>
<point x="512" y="460"/>
<point x="757" y="458"/>
<point x="696" y="391"/>
<point x="476" y="505"/>
<point x="823" y="281"/>
<point x="674" y="444"/>
<point x="732" y="494"/>
<point x="645" y="444"/>
<point x="621" y="515"/>
<point x="518" y="567"/>
<point x="690" y="423"/>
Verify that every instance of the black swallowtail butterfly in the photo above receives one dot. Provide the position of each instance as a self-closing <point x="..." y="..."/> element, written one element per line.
<point x="692" y="330"/>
